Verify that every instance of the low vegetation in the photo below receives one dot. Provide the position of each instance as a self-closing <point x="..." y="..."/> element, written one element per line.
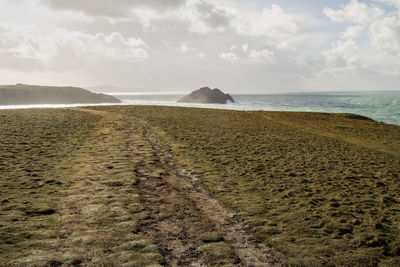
<point x="323" y="189"/>
<point x="68" y="191"/>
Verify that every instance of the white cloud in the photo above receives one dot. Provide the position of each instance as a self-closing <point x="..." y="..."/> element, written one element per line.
<point x="343" y="54"/>
<point x="395" y="3"/>
<point x="184" y="48"/>
<point x="114" y="46"/>
<point x="263" y="56"/>
<point x="63" y="48"/>
<point x="25" y="43"/>
<point x="353" y="32"/>
<point x="377" y="32"/>
<point x="229" y="56"/>
<point x="385" y="35"/>
<point x="272" y="22"/>
<point x="355" y="12"/>
<point x="248" y="55"/>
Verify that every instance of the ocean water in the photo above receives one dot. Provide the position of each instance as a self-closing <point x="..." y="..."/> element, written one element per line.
<point x="379" y="106"/>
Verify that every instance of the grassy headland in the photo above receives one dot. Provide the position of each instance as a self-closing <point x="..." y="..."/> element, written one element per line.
<point x="24" y="94"/>
<point x="322" y="189"/>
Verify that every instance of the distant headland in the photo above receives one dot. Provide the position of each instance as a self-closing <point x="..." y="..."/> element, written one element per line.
<point x="207" y="96"/>
<point x="24" y="94"/>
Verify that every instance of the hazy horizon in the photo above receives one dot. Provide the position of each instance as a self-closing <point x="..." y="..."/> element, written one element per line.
<point x="181" y="45"/>
<point x="154" y="91"/>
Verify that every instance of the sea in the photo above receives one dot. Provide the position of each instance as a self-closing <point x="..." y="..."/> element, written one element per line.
<point x="379" y="106"/>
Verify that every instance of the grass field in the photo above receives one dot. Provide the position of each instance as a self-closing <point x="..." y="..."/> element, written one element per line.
<point x="322" y="189"/>
<point x="68" y="192"/>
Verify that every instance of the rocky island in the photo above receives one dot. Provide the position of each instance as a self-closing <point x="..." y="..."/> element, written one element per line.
<point x="207" y="96"/>
<point x="23" y="94"/>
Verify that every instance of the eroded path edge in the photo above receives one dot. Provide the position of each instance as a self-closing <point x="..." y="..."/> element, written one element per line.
<point x="198" y="200"/>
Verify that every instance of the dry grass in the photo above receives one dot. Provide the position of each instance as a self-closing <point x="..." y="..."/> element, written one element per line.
<point x="321" y="188"/>
<point x="34" y="149"/>
<point x="68" y="191"/>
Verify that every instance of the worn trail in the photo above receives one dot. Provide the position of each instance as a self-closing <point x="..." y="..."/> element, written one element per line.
<point x="181" y="211"/>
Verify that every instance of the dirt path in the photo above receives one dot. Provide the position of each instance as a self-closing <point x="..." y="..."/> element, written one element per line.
<point x="182" y="211"/>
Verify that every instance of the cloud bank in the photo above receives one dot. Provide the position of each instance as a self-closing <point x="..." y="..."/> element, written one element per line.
<point x="183" y="44"/>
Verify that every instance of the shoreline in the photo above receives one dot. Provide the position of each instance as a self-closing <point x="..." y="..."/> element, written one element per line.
<point x="180" y="105"/>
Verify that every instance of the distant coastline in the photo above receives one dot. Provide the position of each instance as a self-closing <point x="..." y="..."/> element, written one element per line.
<point x="379" y="106"/>
<point x="24" y="94"/>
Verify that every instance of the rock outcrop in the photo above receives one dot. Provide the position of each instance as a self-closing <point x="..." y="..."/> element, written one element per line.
<point x="22" y="94"/>
<point x="207" y="96"/>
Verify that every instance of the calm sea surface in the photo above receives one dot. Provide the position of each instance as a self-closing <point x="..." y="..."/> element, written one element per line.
<point x="380" y="106"/>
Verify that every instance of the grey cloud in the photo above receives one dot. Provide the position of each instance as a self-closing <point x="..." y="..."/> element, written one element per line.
<point x="213" y="15"/>
<point x="112" y="8"/>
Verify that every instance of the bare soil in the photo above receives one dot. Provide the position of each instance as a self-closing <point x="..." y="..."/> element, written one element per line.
<point x="182" y="211"/>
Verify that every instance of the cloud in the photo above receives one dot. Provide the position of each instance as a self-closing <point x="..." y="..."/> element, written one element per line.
<point x="385" y="35"/>
<point x="355" y="12"/>
<point x="24" y="48"/>
<point x="343" y="54"/>
<point x="206" y="16"/>
<point x="248" y="55"/>
<point x="353" y="32"/>
<point x="229" y="56"/>
<point x="187" y="42"/>
<point x="113" y="46"/>
<point x="272" y="22"/>
<point x="114" y="8"/>
<point x="29" y="48"/>
<point x="263" y="56"/>
<point x="184" y="48"/>
<point x="395" y="3"/>
<point x="377" y="31"/>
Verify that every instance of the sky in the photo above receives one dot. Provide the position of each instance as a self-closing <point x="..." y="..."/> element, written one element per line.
<point x="245" y="46"/>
